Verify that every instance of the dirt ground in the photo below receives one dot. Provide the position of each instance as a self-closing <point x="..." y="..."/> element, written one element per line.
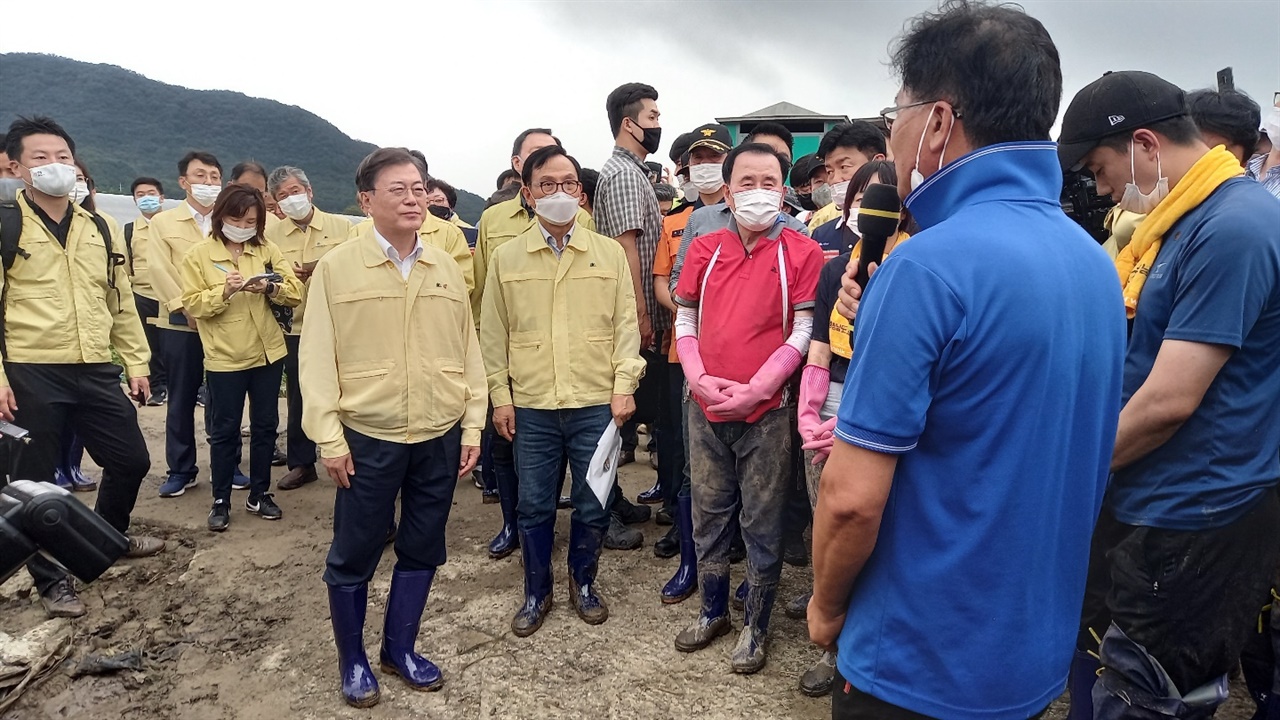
<point x="236" y="627"/>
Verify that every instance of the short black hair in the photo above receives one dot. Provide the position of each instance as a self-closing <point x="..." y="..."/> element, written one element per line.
<point x="200" y="156"/>
<point x="1229" y="113"/>
<point x="144" y="180"/>
<point x="995" y="64"/>
<point x="772" y="129"/>
<point x="589" y="179"/>
<point x="506" y="175"/>
<point x="875" y="171"/>
<point x="381" y="159"/>
<point x="422" y="159"/>
<point x="664" y="192"/>
<point x="1180" y="130"/>
<point x="248" y="166"/>
<point x="625" y="102"/>
<point x="859" y="135"/>
<point x="754" y="149"/>
<point x="541" y="157"/>
<point x="4" y="144"/>
<point x="519" y="143"/>
<point x="25" y="127"/>
<point x="450" y="192"/>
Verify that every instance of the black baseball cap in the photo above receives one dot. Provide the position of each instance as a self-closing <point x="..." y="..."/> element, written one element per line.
<point x="680" y="150"/>
<point x="712" y="136"/>
<point x="1118" y="102"/>
<point x="802" y="172"/>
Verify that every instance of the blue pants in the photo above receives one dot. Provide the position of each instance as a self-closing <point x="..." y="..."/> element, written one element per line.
<point x="184" y="361"/>
<point x="424" y="475"/>
<point x="227" y="392"/>
<point x="542" y="436"/>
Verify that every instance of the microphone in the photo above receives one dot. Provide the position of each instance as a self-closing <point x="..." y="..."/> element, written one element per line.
<point x="878" y="219"/>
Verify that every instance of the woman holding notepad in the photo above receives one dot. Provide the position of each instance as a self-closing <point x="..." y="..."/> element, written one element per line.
<point x="229" y="284"/>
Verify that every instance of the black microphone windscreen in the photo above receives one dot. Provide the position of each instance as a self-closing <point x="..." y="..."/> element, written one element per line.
<point x="880" y="211"/>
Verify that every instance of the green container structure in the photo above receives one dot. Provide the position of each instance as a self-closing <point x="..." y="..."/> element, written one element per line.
<point x="806" y="126"/>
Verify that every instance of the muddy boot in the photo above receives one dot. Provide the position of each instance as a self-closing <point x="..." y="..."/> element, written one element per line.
<point x="584" y="557"/>
<point x="347" y="609"/>
<point x="739" y="601"/>
<point x="405" y="603"/>
<point x="685" y="582"/>
<point x="1084" y="673"/>
<point x="749" y="656"/>
<point x="817" y="680"/>
<point x="535" y="547"/>
<point x="798" y="608"/>
<point x="713" y="619"/>
<point x="652" y="496"/>
<point x="508" y="538"/>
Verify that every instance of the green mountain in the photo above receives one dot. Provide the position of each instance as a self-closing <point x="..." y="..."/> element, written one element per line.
<point x="126" y="125"/>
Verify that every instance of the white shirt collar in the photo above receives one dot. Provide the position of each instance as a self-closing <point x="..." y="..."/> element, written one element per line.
<point x="551" y="241"/>
<point x="405" y="265"/>
<point x="204" y="221"/>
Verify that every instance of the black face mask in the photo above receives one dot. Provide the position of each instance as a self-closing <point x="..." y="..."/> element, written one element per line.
<point x="806" y="201"/>
<point x="652" y="139"/>
<point x="441" y="211"/>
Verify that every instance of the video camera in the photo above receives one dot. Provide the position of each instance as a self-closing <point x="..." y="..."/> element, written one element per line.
<point x="40" y="517"/>
<point x="1081" y="202"/>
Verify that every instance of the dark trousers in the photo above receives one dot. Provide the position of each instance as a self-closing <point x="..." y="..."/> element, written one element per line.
<point x="672" y="469"/>
<point x="148" y="308"/>
<point x="1190" y="598"/>
<point x="90" y="399"/>
<point x="424" y="475"/>
<point x="542" y="438"/>
<point x="184" y="360"/>
<point x="649" y="400"/>
<point x="850" y="703"/>
<point x="733" y="460"/>
<point x="299" y="449"/>
<point x="227" y="392"/>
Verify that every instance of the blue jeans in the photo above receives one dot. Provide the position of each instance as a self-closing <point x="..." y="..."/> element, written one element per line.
<point x="542" y="437"/>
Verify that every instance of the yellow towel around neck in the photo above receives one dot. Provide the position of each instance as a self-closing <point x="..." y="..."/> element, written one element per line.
<point x="1135" y="261"/>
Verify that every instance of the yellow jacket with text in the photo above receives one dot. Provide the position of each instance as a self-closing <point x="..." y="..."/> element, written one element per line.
<point x="439" y="233"/>
<point x="139" y="274"/>
<point x="58" y="305"/>
<point x="238" y="333"/>
<point x="560" y="332"/>
<point x="390" y="358"/>
<point x="299" y="247"/>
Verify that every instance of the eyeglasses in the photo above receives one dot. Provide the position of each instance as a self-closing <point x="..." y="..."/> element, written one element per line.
<point x="400" y="191"/>
<point x="569" y="186"/>
<point x="890" y="114"/>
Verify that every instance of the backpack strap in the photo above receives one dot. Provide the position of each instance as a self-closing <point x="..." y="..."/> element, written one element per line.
<point x="10" y="233"/>
<point x="114" y="260"/>
<point x="128" y="245"/>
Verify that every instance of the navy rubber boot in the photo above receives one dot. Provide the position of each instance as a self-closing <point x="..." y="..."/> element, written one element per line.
<point x="69" y="464"/>
<point x="1084" y="672"/>
<point x="750" y="654"/>
<point x="535" y="547"/>
<point x="684" y="583"/>
<point x="508" y="538"/>
<point x="347" y="610"/>
<point x="584" y="559"/>
<point x="405" y="603"/>
<point x="739" y="601"/>
<point x="713" y="618"/>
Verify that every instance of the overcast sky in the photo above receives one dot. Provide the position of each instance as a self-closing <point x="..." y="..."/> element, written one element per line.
<point x="459" y="79"/>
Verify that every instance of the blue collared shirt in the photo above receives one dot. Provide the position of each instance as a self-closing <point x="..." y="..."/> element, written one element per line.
<point x="1272" y="179"/>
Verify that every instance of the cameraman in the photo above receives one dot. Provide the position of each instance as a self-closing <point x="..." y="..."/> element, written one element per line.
<point x="66" y="302"/>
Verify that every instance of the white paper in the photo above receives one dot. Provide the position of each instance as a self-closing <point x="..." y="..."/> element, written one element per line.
<point x="603" y="471"/>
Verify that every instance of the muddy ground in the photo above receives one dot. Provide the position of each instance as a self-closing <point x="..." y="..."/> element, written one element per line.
<point x="235" y="627"/>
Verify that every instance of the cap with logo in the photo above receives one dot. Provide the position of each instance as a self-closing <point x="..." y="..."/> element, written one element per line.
<point x="712" y="136"/>
<point x="1118" y="102"/>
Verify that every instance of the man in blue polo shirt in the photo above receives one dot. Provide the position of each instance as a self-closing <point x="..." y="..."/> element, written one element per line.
<point x="1186" y="545"/>
<point x="979" y="409"/>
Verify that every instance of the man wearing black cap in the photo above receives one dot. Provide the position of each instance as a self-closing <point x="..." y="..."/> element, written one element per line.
<point x="809" y="178"/>
<point x="705" y="152"/>
<point x="1186" y="544"/>
<point x="680" y="157"/>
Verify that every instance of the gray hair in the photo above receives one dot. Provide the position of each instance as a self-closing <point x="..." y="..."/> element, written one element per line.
<point x="281" y="175"/>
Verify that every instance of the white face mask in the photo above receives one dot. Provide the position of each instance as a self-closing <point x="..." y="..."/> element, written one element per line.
<point x="238" y="235"/>
<point x="206" y="195"/>
<point x="838" y="193"/>
<point x="917" y="177"/>
<point x="690" y="191"/>
<point x="708" y="177"/>
<point x="80" y="192"/>
<point x="295" y="207"/>
<point x="557" y="209"/>
<point x="54" y="179"/>
<point x="1133" y="199"/>
<point x="1271" y="123"/>
<point x="758" y="209"/>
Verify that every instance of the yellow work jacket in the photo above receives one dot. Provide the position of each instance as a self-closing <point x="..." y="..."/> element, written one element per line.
<point x="174" y="232"/>
<point x="299" y="247"/>
<point x="439" y="233"/>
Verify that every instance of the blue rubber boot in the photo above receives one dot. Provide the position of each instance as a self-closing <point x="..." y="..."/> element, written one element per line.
<point x="685" y="582"/>
<point x="68" y="474"/>
<point x="405" y="602"/>
<point x="750" y="654"/>
<point x="713" y="618"/>
<point x="739" y="601"/>
<point x="1084" y="672"/>
<point x="347" y="605"/>
<point x="508" y="538"/>
<point x="584" y="558"/>
<point x="535" y="547"/>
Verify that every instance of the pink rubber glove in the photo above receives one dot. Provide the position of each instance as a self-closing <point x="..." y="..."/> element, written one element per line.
<point x="744" y="399"/>
<point x="822" y="442"/>
<point x="814" y="384"/>
<point x="707" y="387"/>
